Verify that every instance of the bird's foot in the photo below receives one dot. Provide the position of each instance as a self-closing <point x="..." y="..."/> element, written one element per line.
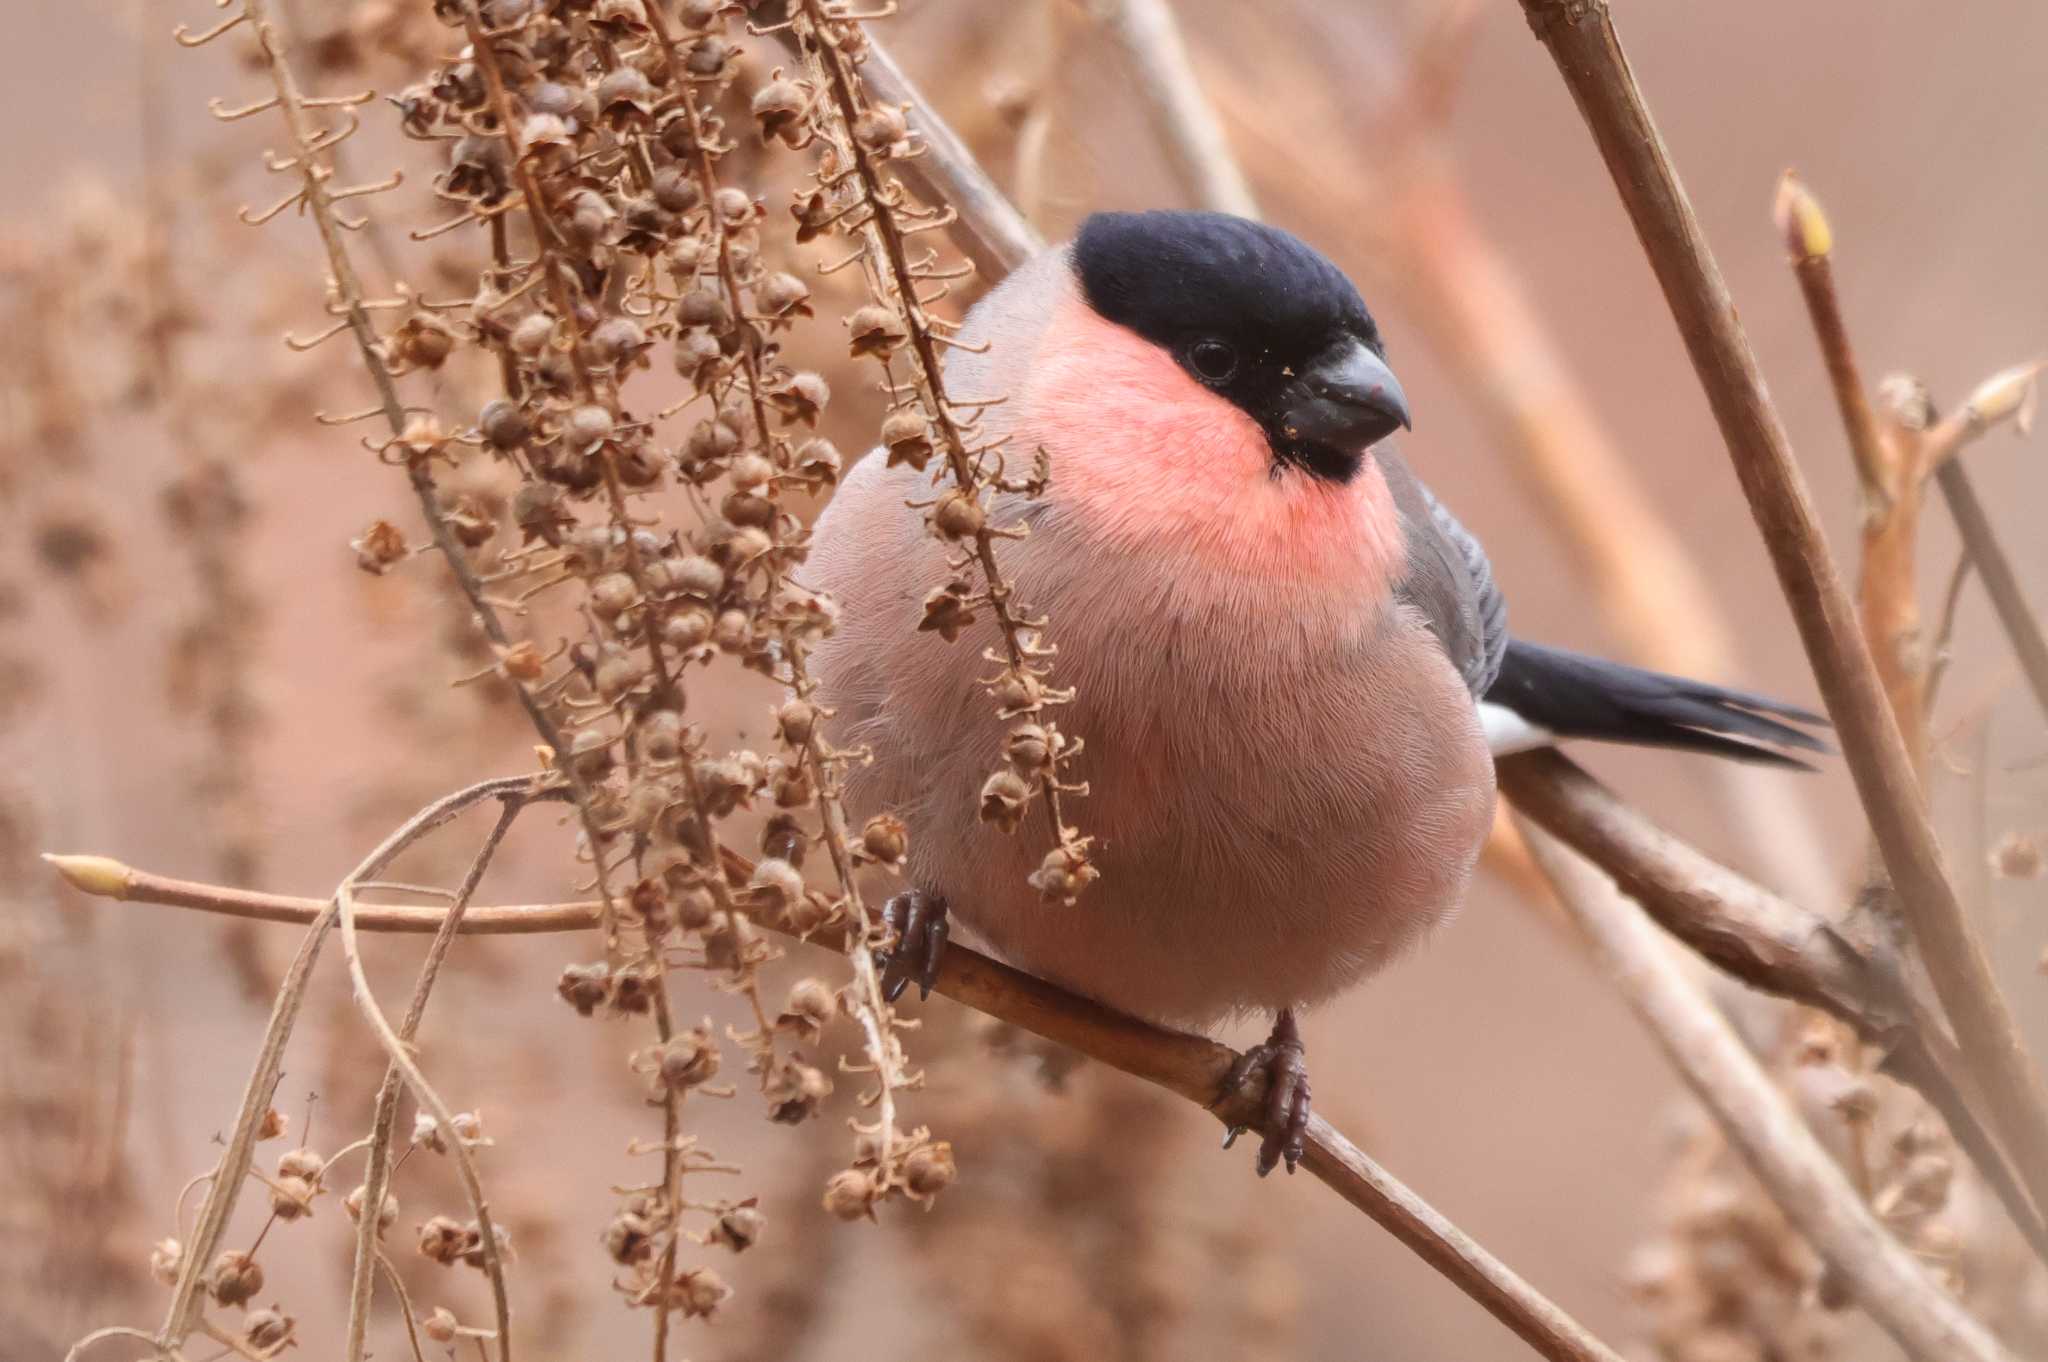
<point x="1281" y="1058"/>
<point x="918" y="920"/>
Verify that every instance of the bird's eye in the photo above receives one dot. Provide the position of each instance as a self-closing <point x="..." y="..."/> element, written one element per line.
<point x="1213" y="360"/>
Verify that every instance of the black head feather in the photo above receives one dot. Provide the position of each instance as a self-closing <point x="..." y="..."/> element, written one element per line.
<point x="1243" y="307"/>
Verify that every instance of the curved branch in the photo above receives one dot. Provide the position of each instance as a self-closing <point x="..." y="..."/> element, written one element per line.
<point x="1192" y="1066"/>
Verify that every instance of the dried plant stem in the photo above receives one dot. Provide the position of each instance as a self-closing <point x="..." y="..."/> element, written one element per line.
<point x="869" y="1004"/>
<point x="225" y="1186"/>
<point x="315" y="172"/>
<point x="1151" y="40"/>
<point x="991" y="232"/>
<point x="1581" y="38"/>
<point x="1881" y="1274"/>
<point x="2008" y="598"/>
<point x="1844" y="969"/>
<point x="377" y="1171"/>
<point x="398" y="1048"/>
<point x="1191" y="1066"/>
<point x="885" y="253"/>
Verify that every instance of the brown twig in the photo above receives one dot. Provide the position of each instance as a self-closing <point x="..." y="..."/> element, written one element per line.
<point x="376" y="1171"/>
<point x="1191" y="1066"/>
<point x="1767" y="942"/>
<point x="2001" y="583"/>
<point x="1582" y="40"/>
<point x="1880" y="1273"/>
<point x="1890" y="471"/>
<point x="1187" y="123"/>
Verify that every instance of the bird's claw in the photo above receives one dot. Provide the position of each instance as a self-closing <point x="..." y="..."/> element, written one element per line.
<point x="918" y="921"/>
<point x="1282" y="1059"/>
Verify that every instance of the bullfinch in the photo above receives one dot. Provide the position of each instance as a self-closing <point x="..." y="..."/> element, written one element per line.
<point x="1291" y="665"/>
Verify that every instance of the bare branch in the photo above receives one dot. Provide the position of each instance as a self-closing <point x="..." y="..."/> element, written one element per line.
<point x="1582" y="40"/>
<point x="1191" y="1066"/>
<point x="1187" y="122"/>
<point x="1881" y="1274"/>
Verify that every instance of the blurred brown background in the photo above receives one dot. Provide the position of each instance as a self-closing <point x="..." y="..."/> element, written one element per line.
<point x="1494" y="1071"/>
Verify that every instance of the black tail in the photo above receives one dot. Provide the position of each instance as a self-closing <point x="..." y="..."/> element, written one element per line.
<point x="1575" y="696"/>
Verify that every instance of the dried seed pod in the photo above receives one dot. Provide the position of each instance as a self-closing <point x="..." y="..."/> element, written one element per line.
<point x="588" y="425"/>
<point x="775" y="884"/>
<point x="629" y="1239"/>
<point x="738" y="1229"/>
<point x="235" y="1279"/>
<point x="441" y="1325"/>
<point x="698" y="358"/>
<point x="906" y="434"/>
<point x="958" y="515"/>
<point x="291" y="1198"/>
<point x="734" y="206"/>
<point x="166" y="1261"/>
<point x="619" y="341"/>
<point x="1030" y="748"/>
<point x="584" y="987"/>
<point x="948" y="610"/>
<point x="929" y="1170"/>
<point x="795" y="1091"/>
<point x="851" y="1194"/>
<point x="1005" y="796"/>
<point x="421" y="341"/>
<point x="503" y="425"/>
<point x="625" y="98"/>
<point x="445" y="1241"/>
<point x="532" y="334"/>
<point x="880" y="128"/>
<point x="380" y="547"/>
<point x="810" y="1008"/>
<point x="783" y="296"/>
<point x="1063" y="874"/>
<point x="686" y="629"/>
<point x="875" y="331"/>
<point x="266" y="1330"/>
<point x="660" y="733"/>
<point x="802" y="397"/>
<point x="779" y="108"/>
<point x="688" y="1059"/>
<point x="1017" y="692"/>
<point x="886" y="839"/>
<point x="796" y="721"/>
<point x="818" y="462"/>
<point x="700" y="1291"/>
<point x="387" y="1216"/>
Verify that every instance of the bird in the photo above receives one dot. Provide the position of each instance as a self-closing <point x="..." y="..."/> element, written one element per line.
<point x="1290" y="664"/>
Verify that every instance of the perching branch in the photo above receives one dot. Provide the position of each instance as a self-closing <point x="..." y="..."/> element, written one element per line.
<point x="1582" y="40"/>
<point x="1881" y="1274"/>
<point x="1192" y="1066"/>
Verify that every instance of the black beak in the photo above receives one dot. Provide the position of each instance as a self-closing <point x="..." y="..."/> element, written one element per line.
<point x="1346" y="400"/>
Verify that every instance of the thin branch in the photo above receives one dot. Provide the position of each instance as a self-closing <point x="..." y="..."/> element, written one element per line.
<point x="2001" y="583"/>
<point x="1191" y="1066"/>
<point x="377" y="1169"/>
<point x="1881" y="1274"/>
<point x="231" y="1172"/>
<point x="1187" y="122"/>
<point x="1581" y="39"/>
<point x="1769" y="943"/>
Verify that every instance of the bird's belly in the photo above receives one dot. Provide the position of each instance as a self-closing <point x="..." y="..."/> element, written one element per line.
<point x="1265" y="838"/>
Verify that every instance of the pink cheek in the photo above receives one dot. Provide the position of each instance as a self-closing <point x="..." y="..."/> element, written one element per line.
<point x="1156" y="464"/>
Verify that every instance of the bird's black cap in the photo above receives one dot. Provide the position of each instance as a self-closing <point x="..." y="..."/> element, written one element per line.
<point x="1257" y="315"/>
